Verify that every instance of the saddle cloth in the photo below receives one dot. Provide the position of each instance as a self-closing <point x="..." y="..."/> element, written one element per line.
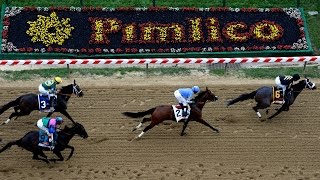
<point x="44" y="103"/>
<point x="177" y="111"/>
<point x="44" y="139"/>
<point x="277" y="95"/>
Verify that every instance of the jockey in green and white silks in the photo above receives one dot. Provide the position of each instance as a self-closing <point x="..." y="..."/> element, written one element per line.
<point x="184" y="96"/>
<point x="48" y="88"/>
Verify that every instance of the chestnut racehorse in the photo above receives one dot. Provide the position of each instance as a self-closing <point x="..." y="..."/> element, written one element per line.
<point x="165" y="112"/>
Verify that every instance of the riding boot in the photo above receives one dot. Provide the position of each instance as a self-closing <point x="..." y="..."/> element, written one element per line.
<point x="51" y="103"/>
<point x="284" y="96"/>
<point x="184" y="111"/>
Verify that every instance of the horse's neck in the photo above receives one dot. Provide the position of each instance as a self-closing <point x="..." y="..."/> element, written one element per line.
<point x="200" y="105"/>
<point x="201" y="102"/>
<point x="66" y="135"/>
<point x="297" y="89"/>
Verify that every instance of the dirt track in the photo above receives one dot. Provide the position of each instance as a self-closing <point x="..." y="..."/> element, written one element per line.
<point x="284" y="148"/>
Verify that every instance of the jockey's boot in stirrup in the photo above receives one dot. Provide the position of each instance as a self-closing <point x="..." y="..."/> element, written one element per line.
<point x="184" y="111"/>
<point x="51" y="103"/>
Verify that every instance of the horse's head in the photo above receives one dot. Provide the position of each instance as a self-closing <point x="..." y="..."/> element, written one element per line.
<point x="80" y="130"/>
<point x="76" y="89"/>
<point x="310" y="84"/>
<point x="206" y="95"/>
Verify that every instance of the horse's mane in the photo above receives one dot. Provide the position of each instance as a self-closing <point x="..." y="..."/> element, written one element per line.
<point x="199" y="96"/>
<point x="299" y="84"/>
<point x="63" y="88"/>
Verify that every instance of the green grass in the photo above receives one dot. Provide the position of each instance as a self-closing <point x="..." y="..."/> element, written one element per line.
<point x="269" y="73"/>
<point x="308" y="5"/>
<point x="263" y="73"/>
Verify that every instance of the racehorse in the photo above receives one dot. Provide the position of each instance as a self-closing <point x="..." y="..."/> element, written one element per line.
<point x="31" y="139"/>
<point x="264" y="97"/>
<point x="27" y="103"/>
<point x="165" y="112"/>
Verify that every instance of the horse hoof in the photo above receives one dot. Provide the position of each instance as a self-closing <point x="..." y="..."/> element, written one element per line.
<point x="182" y="134"/>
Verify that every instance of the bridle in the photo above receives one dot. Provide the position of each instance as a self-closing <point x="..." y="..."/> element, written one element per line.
<point x="75" y="90"/>
<point x="308" y="84"/>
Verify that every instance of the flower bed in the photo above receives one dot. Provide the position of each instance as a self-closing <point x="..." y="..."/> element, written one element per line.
<point x="151" y="30"/>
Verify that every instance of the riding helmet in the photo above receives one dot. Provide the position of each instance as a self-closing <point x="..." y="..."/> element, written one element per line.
<point x="195" y="89"/>
<point x="296" y="77"/>
<point x="59" y="119"/>
<point x="58" y="80"/>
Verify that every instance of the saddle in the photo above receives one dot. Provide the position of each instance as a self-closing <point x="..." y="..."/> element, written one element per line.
<point x="177" y="110"/>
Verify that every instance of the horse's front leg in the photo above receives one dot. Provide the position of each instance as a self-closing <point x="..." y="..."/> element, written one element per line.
<point x="58" y="153"/>
<point x="282" y="108"/>
<point x="65" y="113"/>
<point x="71" y="153"/>
<point x="185" y="124"/>
<point x="202" y="121"/>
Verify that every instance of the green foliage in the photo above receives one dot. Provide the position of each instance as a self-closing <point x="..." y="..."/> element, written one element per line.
<point x="106" y="72"/>
<point x="308" y="5"/>
<point x="269" y="73"/>
<point x="264" y="73"/>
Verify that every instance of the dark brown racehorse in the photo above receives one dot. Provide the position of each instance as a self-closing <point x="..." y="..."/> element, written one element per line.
<point x="31" y="139"/>
<point x="27" y="103"/>
<point x="165" y="112"/>
<point x="263" y="97"/>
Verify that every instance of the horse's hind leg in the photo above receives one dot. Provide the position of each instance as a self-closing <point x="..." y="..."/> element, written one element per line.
<point x="260" y="106"/>
<point x="17" y="114"/>
<point x="140" y="124"/>
<point x="151" y="125"/>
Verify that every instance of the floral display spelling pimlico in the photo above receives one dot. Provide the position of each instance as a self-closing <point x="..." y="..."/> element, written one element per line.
<point x="91" y="30"/>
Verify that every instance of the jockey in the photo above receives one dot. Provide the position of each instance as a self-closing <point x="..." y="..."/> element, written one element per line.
<point x="48" y="88"/>
<point x="49" y="125"/>
<point x="285" y="82"/>
<point x="184" y="96"/>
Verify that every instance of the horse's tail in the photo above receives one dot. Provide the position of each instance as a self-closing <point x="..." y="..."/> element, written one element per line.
<point x="139" y="114"/>
<point x="18" y="142"/>
<point x="9" y="105"/>
<point x="242" y="97"/>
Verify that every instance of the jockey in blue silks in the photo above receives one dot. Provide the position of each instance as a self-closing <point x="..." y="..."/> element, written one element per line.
<point x="184" y="96"/>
